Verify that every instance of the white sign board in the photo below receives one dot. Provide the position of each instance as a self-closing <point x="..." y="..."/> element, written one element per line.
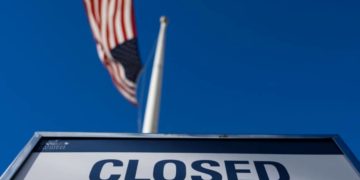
<point x="160" y="157"/>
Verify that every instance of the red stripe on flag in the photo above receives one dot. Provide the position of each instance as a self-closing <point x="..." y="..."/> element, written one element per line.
<point x="133" y="19"/>
<point x="100" y="11"/>
<point x="107" y="38"/>
<point x="94" y="14"/>
<point x="114" y="23"/>
<point x="123" y="19"/>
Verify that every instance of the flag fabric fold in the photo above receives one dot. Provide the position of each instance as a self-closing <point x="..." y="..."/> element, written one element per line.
<point x="113" y="26"/>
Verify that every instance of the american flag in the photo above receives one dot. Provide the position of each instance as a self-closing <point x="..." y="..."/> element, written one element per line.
<point x="113" y="26"/>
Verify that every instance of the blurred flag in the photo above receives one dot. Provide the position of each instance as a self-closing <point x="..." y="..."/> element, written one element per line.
<point x="113" y="26"/>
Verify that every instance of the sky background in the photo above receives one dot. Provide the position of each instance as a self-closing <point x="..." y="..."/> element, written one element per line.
<point x="231" y="67"/>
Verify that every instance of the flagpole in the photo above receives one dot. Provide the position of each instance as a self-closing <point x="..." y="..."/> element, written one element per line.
<point x="153" y="100"/>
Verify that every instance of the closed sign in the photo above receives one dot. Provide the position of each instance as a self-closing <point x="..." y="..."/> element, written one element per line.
<point x="160" y="157"/>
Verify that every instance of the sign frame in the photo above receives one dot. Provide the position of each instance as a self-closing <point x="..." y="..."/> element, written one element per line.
<point x="24" y="154"/>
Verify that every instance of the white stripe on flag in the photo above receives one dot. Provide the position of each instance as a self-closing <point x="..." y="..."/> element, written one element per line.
<point x="100" y="52"/>
<point x="110" y="22"/>
<point x="118" y="25"/>
<point x="128" y="20"/>
<point x="104" y="40"/>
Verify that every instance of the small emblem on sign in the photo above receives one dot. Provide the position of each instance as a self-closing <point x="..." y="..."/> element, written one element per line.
<point x="54" y="145"/>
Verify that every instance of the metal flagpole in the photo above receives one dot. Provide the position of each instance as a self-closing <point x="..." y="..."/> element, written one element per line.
<point x="153" y="100"/>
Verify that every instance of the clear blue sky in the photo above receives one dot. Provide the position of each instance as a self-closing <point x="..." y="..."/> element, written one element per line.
<point x="233" y="67"/>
